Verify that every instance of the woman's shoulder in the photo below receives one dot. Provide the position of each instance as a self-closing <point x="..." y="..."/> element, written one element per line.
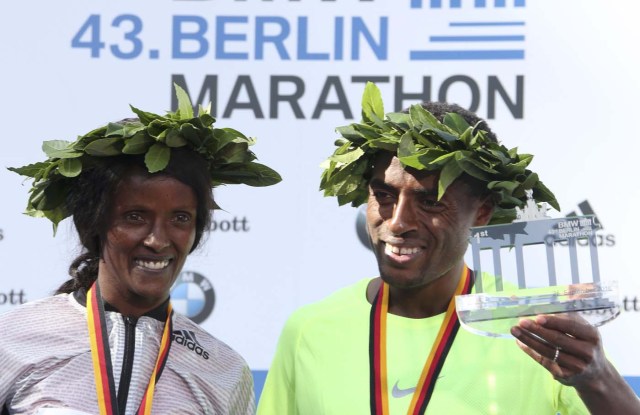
<point x="197" y="354"/>
<point x="52" y="312"/>
<point x="36" y="331"/>
<point x="190" y="338"/>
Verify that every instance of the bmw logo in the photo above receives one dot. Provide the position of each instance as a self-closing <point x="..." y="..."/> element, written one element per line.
<point x="193" y="296"/>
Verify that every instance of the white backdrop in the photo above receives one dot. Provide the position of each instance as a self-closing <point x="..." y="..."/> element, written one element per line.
<point x="557" y="79"/>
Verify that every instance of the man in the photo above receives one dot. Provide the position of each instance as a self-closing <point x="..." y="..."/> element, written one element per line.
<point x="392" y="344"/>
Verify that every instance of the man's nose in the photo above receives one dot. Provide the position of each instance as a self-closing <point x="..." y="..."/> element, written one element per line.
<point x="403" y="218"/>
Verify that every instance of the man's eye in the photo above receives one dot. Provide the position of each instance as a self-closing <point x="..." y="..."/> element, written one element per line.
<point x="380" y="195"/>
<point x="431" y="203"/>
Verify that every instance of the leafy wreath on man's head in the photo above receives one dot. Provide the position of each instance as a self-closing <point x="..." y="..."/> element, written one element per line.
<point x="225" y="150"/>
<point x="420" y="141"/>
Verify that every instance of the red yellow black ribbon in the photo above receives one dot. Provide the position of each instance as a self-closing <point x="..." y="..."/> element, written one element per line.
<point x="101" y="356"/>
<point x="378" y="354"/>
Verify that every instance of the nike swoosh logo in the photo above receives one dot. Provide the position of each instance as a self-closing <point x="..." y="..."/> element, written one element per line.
<point x="396" y="392"/>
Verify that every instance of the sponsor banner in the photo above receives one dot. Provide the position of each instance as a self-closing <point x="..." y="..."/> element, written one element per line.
<point x="193" y="296"/>
<point x="13" y="297"/>
<point x="288" y="72"/>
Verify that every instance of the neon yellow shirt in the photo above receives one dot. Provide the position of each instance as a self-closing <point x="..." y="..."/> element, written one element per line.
<point x="321" y="366"/>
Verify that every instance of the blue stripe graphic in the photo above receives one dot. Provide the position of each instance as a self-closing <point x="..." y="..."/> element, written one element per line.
<point x="467" y="24"/>
<point x="259" y="376"/>
<point x="634" y="382"/>
<point x="440" y="55"/>
<point x="513" y="38"/>
<point x="456" y="4"/>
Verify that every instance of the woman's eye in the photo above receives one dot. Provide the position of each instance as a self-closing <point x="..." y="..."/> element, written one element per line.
<point x="182" y="218"/>
<point x="133" y="217"/>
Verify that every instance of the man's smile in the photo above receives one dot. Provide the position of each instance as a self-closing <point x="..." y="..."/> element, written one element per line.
<point x="399" y="253"/>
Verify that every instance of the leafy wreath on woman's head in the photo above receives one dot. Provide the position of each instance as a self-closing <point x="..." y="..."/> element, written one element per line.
<point x="420" y="141"/>
<point x="225" y="150"/>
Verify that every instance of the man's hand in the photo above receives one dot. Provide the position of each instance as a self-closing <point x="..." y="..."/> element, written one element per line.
<point x="566" y="345"/>
<point x="571" y="350"/>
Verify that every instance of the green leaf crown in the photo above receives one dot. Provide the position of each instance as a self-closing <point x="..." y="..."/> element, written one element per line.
<point x="225" y="150"/>
<point x="420" y="141"/>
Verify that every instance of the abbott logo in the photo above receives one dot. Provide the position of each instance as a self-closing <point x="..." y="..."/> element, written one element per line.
<point x="193" y="296"/>
<point x="13" y="297"/>
<point x="231" y="225"/>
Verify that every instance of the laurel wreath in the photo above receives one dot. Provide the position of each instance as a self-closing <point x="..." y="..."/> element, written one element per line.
<point x="225" y="150"/>
<point x="420" y="141"/>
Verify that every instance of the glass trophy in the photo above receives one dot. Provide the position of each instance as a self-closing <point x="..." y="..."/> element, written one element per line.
<point x="565" y="249"/>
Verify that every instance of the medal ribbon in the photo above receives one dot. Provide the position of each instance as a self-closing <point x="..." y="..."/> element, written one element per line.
<point x="101" y="356"/>
<point x="379" y="399"/>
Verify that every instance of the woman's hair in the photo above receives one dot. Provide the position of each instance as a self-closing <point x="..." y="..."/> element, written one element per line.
<point x="90" y="204"/>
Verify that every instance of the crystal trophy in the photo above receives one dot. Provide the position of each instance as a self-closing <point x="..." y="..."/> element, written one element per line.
<point x="506" y="293"/>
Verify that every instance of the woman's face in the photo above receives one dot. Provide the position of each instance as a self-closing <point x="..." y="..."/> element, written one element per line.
<point x="151" y="230"/>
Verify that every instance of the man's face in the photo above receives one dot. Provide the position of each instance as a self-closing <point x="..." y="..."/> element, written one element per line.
<point x="416" y="238"/>
<point x="151" y="232"/>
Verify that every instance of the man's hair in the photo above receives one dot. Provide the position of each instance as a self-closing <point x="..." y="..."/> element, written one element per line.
<point x="439" y="109"/>
<point x="476" y="188"/>
<point x="431" y="136"/>
<point x="91" y="203"/>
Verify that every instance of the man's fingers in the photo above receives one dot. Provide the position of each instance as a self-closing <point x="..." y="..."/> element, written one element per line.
<point x="581" y="347"/>
<point x="564" y="368"/>
<point x="548" y="363"/>
<point x="580" y="344"/>
<point x="572" y="324"/>
<point x="574" y="355"/>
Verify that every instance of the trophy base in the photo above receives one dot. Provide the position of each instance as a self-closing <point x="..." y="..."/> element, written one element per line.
<point x="493" y="314"/>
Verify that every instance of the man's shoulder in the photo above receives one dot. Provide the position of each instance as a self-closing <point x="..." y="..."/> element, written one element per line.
<point x="341" y="304"/>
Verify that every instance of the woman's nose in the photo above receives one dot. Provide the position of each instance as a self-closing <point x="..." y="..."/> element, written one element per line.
<point x="157" y="239"/>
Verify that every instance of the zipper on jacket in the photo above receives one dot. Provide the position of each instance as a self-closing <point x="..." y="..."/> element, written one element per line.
<point x="127" y="362"/>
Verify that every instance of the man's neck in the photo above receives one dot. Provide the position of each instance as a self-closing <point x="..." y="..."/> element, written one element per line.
<point x="423" y="301"/>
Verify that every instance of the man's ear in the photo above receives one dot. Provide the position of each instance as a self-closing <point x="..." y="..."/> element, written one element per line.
<point x="485" y="211"/>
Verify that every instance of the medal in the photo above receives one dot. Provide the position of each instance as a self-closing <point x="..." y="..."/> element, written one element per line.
<point x="378" y="350"/>
<point x="101" y="356"/>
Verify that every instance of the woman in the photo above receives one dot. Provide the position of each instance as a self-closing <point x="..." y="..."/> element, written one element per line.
<point x="139" y="192"/>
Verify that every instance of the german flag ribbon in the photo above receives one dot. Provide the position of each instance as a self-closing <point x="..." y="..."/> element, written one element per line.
<point x="379" y="392"/>
<point x="101" y="356"/>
